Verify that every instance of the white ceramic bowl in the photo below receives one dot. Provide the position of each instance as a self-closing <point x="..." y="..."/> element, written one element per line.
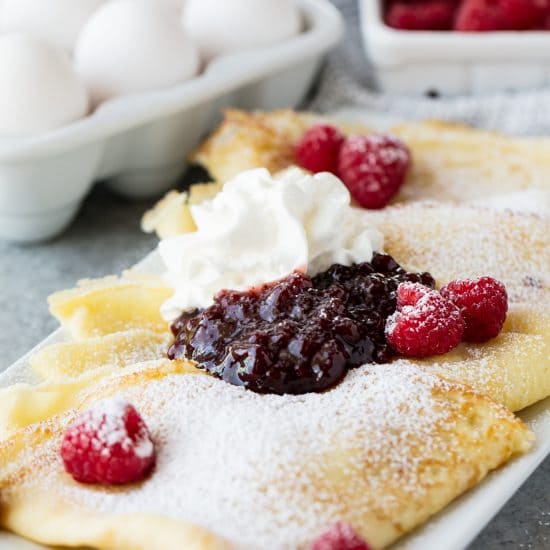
<point x="139" y="143"/>
<point x="451" y="62"/>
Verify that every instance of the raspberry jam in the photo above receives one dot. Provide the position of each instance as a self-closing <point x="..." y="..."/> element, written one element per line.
<point x="298" y="334"/>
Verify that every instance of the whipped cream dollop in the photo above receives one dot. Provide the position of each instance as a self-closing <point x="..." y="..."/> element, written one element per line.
<point x="260" y="228"/>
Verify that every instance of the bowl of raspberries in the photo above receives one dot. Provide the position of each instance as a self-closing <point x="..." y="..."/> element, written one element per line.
<point x="447" y="47"/>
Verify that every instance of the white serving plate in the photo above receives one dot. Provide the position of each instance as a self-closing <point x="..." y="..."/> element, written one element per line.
<point x="140" y="142"/>
<point x="453" y="62"/>
<point x="471" y="512"/>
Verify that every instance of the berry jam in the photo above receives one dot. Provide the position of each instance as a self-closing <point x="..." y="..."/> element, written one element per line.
<point x="298" y="334"/>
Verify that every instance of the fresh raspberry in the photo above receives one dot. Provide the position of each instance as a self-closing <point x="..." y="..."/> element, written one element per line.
<point x="425" y="322"/>
<point x="483" y="303"/>
<point x="499" y="15"/>
<point x="373" y="168"/>
<point x="543" y="22"/>
<point x="421" y="15"/>
<point x="317" y="150"/>
<point x="108" y="444"/>
<point x="340" y="536"/>
<point x="410" y="293"/>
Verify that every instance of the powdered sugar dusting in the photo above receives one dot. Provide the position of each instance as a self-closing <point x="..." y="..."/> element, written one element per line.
<point x="456" y="241"/>
<point x="144" y="448"/>
<point x="106" y="420"/>
<point x="388" y="155"/>
<point x="462" y="164"/>
<point x="262" y="470"/>
<point x="528" y="201"/>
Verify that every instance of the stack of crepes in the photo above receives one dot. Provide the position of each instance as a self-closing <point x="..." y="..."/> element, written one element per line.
<point x="382" y="451"/>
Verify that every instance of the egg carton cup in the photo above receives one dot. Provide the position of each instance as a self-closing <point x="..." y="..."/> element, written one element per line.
<point x="450" y="62"/>
<point x="139" y="143"/>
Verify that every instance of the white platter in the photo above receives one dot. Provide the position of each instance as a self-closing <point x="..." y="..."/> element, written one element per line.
<point x="471" y="512"/>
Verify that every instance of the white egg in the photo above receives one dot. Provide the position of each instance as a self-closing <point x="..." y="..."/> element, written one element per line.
<point x="174" y="4"/>
<point x="59" y="21"/>
<point x="233" y="25"/>
<point x="39" y="89"/>
<point x="133" y="46"/>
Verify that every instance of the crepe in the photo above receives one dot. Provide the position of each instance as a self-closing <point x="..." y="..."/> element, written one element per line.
<point x="382" y="451"/>
<point x="454" y="241"/>
<point x="451" y="162"/>
<point x="23" y="405"/>
<point x="252" y="140"/>
<point x="102" y="306"/>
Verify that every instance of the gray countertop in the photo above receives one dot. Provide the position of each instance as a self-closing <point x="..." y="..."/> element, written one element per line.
<point x="105" y="239"/>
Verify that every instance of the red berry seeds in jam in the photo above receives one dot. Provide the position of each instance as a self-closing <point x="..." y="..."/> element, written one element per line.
<point x="299" y="334"/>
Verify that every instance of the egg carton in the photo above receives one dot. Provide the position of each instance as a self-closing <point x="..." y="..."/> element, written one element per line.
<point x="450" y="62"/>
<point x="139" y="143"/>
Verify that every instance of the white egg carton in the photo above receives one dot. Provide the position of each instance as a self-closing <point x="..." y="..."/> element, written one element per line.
<point x="449" y="62"/>
<point x="139" y="143"/>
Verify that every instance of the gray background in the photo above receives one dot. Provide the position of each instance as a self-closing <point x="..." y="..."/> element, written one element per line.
<point x="106" y="238"/>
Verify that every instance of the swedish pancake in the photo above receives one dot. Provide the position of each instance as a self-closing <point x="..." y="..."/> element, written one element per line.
<point x="513" y="369"/>
<point x="249" y="140"/>
<point x="23" y="405"/>
<point x="457" y="241"/>
<point x="382" y="451"/>
<point x="116" y="350"/>
<point x="171" y="215"/>
<point x="111" y="304"/>
<point x="450" y="161"/>
<point x="459" y="163"/>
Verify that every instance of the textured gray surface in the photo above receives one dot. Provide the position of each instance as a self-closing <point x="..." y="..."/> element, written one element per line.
<point x="105" y="239"/>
